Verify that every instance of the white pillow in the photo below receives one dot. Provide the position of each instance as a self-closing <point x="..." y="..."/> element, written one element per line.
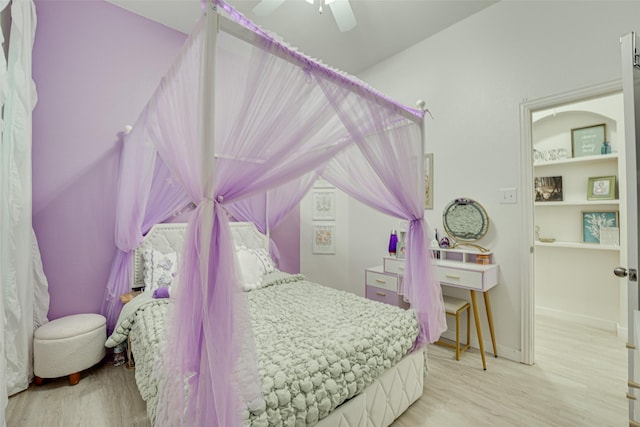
<point x="254" y="264"/>
<point x="159" y="269"/>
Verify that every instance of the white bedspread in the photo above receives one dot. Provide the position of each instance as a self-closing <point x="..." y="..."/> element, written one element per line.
<point x="316" y="348"/>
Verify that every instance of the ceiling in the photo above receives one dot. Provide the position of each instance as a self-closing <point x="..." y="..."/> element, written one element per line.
<point x="384" y="27"/>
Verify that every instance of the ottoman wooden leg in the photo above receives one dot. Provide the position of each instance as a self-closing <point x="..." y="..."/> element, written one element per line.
<point x="38" y="381"/>
<point x="74" y="378"/>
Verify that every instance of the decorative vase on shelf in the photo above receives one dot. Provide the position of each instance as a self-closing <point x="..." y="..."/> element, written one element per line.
<point x="393" y="242"/>
<point x="606" y="148"/>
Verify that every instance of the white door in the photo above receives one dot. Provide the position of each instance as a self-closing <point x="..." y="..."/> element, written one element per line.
<point x="631" y="90"/>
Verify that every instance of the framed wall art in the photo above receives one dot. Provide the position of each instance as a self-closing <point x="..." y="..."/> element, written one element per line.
<point x="548" y="189"/>
<point x="587" y="141"/>
<point x="323" y="239"/>
<point x="324" y="205"/>
<point x="428" y="181"/>
<point x="593" y="221"/>
<point x="601" y="188"/>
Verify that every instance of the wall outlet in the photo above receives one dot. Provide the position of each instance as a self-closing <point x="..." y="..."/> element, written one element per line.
<point x="508" y="195"/>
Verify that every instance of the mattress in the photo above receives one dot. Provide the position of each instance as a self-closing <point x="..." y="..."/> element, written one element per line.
<point x="316" y="348"/>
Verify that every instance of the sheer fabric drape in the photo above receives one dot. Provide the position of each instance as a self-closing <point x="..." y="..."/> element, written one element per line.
<point x="147" y="195"/>
<point x="25" y="297"/>
<point x="268" y="210"/>
<point x="277" y="117"/>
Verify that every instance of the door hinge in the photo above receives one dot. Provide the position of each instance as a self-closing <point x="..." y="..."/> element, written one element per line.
<point x="633" y="384"/>
<point x="631" y="396"/>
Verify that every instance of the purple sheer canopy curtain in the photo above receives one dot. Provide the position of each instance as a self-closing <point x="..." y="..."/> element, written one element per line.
<point x="146" y="195"/>
<point x="387" y="167"/>
<point x="275" y="124"/>
<point x="271" y="208"/>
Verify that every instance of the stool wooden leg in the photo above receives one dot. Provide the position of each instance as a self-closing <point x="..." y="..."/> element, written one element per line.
<point x="457" y="335"/>
<point x="37" y="380"/>
<point x="468" y="327"/>
<point x="487" y="305"/>
<point x="476" y="317"/>
<point x="74" y="378"/>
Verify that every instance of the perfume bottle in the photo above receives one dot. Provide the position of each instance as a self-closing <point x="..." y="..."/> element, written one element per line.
<point x="393" y="243"/>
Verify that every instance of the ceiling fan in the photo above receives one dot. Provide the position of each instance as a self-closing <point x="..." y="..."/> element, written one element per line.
<point x="341" y="10"/>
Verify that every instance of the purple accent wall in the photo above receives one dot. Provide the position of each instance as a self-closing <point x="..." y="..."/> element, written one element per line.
<point x="95" y="66"/>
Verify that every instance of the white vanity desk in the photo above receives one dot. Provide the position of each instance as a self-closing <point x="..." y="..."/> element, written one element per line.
<point x="455" y="267"/>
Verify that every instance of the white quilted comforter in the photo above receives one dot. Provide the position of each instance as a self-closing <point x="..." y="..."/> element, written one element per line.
<point x="316" y="348"/>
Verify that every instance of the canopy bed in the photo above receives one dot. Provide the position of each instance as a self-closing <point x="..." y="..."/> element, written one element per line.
<point x="242" y="125"/>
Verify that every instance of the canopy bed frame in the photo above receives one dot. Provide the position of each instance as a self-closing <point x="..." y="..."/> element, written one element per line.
<point x="378" y="405"/>
<point x="239" y="117"/>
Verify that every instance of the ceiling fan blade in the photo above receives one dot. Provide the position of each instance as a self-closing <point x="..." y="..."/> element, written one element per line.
<point x="343" y="14"/>
<point x="266" y="7"/>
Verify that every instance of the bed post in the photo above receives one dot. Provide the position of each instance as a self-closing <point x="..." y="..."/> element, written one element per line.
<point x="207" y="126"/>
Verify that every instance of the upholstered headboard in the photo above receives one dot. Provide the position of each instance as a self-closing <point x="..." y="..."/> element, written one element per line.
<point x="168" y="238"/>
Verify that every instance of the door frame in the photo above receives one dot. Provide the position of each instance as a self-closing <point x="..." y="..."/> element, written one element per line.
<point x="527" y="310"/>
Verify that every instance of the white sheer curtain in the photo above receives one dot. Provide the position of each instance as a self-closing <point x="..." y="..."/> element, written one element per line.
<point x="24" y="287"/>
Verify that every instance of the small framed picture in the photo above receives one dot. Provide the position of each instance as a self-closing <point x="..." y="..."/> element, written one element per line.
<point x="587" y="141"/>
<point x="594" y="221"/>
<point x="601" y="188"/>
<point x="324" y="205"/>
<point x="548" y="189"/>
<point x="324" y="239"/>
<point x="428" y="181"/>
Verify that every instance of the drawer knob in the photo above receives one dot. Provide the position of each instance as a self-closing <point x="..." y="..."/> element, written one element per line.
<point x="452" y="276"/>
<point x="382" y="294"/>
<point x="381" y="281"/>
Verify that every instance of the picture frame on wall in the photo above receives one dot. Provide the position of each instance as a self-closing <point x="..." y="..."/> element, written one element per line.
<point x="601" y="188"/>
<point x="548" y="189"/>
<point x="587" y="141"/>
<point x="324" y="205"/>
<point x="428" y="181"/>
<point x="594" y="221"/>
<point x="324" y="239"/>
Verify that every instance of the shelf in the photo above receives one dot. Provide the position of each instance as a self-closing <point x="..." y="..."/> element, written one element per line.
<point x="575" y="245"/>
<point x="578" y="203"/>
<point x="599" y="158"/>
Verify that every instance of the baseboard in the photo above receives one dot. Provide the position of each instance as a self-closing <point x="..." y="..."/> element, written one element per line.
<point x="594" y="322"/>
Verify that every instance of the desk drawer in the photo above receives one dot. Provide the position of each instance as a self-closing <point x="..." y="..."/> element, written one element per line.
<point x="381" y="280"/>
<point x="395" y="266"/>
<point x="458" y="277"/>
<point x="385" y="296"/>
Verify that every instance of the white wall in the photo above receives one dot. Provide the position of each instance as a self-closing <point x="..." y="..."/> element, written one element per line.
<point x="474" y="76"/>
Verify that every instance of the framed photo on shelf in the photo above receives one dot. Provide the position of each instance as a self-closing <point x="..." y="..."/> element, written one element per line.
<point x="548" y="189"/>
<point x="324" y="205"/>
<point x="428" y="181"/>
<point x="587" y="141"/>
<point x="324" y="239"/>
<point x="601" y="188"/>
<point x="594" y="221"/>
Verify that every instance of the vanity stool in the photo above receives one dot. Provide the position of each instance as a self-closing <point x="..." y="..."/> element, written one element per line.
<point x="68" y="345"/>
<point x="455" y="307"/>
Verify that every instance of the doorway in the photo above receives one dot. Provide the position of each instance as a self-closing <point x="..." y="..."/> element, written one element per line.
<point x="567" y="276"/>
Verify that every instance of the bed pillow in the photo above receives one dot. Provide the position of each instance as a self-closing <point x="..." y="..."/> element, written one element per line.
<point x="254" y="264"/>
<point x="159" y="269"/>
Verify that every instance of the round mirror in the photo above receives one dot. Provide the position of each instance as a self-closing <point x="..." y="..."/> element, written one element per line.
<point x="465" y="219"/>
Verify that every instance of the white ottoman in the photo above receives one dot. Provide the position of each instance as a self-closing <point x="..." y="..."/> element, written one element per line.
<point x="68" y="345"/>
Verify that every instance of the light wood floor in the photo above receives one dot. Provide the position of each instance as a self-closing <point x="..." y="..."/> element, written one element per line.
<point x="579" y="379"/>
